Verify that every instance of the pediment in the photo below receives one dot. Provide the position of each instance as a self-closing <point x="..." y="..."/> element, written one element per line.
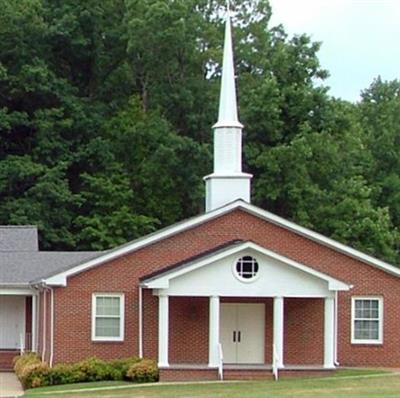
<point x="217" y="273"/>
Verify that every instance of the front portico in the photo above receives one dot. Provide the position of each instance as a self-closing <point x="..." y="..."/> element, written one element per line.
<point x="18" y="323"/>
<point x="244" y="284"/>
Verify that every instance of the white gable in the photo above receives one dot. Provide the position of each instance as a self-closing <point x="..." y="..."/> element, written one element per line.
<point x="216" y="275"/>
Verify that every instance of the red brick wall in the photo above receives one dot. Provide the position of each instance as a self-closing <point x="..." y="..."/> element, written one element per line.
<point x="73" y="304"/>
<point x="303" y="331"/>
<point x="188" y="330"/>
<point x="150" y="324"/>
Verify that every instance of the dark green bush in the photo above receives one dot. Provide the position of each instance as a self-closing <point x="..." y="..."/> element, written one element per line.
<point x="32" y="372"/>
<point x="143" y="371"/>
<point x="93" y="369"/>
<point x="121" y="366"/>
<point x="65" y="374"/>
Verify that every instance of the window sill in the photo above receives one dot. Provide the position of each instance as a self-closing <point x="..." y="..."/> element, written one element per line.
<point x="108" y="341"/>
<point x="367" y="344"/>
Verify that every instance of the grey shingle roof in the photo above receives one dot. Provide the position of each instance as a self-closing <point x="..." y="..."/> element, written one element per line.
<point x="19" y="268"/>
<point x="18" y="238"/>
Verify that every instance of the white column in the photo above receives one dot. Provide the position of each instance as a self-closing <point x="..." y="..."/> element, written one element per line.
<point x="329" y="333"/>
<point x="213" y="335"/>
<point x="34" y="323"/>
<point x="278" y="329"/>
<point x="163" y="326"/>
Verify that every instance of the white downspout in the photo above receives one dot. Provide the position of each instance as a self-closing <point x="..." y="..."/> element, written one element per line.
<point x="140" y="322"/>
<point x="34" y="322"/>
<point x="44" y="342"/>
<point x="51" y="327"/>
<point x="38" y="302"/>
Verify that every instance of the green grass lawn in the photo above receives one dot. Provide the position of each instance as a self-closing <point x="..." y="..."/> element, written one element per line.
<point x="345" y="384"/>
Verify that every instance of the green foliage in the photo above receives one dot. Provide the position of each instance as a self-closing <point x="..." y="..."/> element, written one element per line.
<point x="106" y="111"/>
<point x="122" y="365"/>
<point x="143" y="372"/>
<point x="32" y="372"/>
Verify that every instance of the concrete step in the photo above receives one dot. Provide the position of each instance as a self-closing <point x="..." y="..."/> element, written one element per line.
<point x="248" y="374"/>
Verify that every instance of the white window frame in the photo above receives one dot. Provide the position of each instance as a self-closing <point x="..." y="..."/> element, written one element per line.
<point x="241" y="278"/>
<point x="121" y="297"/>
<point x="379" y="340"/>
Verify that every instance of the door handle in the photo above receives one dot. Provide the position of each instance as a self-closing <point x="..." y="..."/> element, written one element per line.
<point x="234" y="336"/>
<point x="239" y="336"/>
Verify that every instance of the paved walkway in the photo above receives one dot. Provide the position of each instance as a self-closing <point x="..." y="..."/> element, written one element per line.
<point x="10" y="387"/>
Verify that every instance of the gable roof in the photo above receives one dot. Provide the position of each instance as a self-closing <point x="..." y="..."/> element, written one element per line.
<point x="159" y="279"/>
<point x="60" y="278"/>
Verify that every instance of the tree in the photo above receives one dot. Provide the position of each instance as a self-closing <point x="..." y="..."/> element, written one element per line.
<point x="380" y="118"/>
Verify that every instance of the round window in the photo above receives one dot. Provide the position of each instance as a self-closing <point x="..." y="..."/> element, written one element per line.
<point x="247" y="267"/>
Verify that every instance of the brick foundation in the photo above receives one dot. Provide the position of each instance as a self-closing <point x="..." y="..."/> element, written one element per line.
<point x="188" y="374"/>
<point x="6" y="359"/>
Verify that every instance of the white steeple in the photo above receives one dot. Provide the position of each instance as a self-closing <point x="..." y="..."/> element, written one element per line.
<point x="227" y="115"/>
<point x="228" y="182"/>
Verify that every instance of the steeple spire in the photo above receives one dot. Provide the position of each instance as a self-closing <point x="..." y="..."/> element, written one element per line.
<point x="227" y="183"/>
<point x="227" y="115"/>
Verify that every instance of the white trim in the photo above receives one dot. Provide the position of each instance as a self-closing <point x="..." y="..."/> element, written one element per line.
<point x="241" y="278"/>
<point x="162" y="281"/>
<point x="163" y="331"/>
<point x="16" y="292"/>
<point x="336" y="327"/>
<point x="230" y="175"/>
<point x="121" y="296"/>
<point x="278" y="332"/>
<point x="329" y="333"/>
<point x="380" y="320"/>
<point x="51" y="327"/>
<point x="213" y="333"/>
<point x="60" y="279"/>
<point x="44" y="336"/>
<point x="34" y="322"/>
<point x="140" y="322"/>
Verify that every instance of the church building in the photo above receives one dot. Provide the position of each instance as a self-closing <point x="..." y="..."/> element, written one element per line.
<point x="236" y="292"/>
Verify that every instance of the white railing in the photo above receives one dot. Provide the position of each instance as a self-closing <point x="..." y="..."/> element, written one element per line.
<point x="22" y="343"/>
<point x="220" y="362"/>
<point x="275" y="362"/>
<point x="25" y="342"/>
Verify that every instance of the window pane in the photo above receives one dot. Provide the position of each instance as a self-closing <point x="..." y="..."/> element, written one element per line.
<point x="247" y="267"/>
<point x="367" y="309"/>
<point x="107" y="327"/>
<point x="107" y="306"/>
<point x="366" y="330"/>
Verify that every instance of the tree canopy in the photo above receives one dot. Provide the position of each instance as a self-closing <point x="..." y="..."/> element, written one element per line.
<point x="106" y="111"/>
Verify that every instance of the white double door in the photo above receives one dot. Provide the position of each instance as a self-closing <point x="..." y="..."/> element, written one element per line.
<point x="242" y="331"/>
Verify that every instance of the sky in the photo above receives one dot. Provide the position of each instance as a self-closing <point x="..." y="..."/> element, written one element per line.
<point x="360" y="38"/>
